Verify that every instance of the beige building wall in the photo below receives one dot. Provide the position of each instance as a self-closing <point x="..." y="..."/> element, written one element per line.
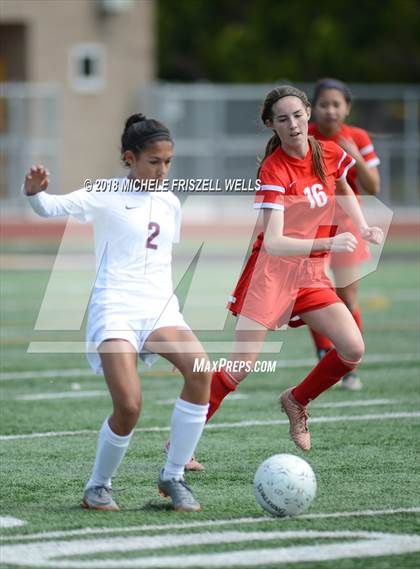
<point x="91" y="122"/>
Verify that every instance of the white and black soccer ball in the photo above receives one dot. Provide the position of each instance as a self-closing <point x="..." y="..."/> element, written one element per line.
<point x="285" y="485"/>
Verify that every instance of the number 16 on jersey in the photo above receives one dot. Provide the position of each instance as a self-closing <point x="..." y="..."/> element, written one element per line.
<point x="316" y="195"/>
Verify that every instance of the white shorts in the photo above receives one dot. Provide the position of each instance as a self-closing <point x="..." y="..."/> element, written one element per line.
<point x="120" y="322"/>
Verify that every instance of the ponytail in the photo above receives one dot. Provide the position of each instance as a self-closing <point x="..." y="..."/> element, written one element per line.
<point x="317" y="158"/>
<point x="271" y="146"/>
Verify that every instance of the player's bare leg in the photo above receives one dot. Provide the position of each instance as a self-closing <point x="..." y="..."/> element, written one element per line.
<point x="119" y="362"/>
<point x="336" y="322"/>
<point x="248" y="342"/>
<point x="182" y="348"/>
<point x="347" y="282"/>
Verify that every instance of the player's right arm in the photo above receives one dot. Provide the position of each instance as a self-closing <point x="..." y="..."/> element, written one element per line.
<point x="79" y="204"/>
<point x="276" y="243"/>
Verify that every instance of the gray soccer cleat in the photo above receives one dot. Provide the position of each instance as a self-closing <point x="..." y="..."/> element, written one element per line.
<point x="180" y="494"/>
<point x="351" y="382"/>
<point x="99" y="498"/>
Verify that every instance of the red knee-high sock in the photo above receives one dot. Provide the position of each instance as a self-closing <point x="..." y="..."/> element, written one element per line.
<point x="220" y="387"/>
<point x="321" y="342"/>
<point x="328" y="371"/>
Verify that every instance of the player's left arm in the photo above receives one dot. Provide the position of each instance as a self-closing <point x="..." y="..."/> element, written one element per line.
<point x="347" y="200"/>
<point x="367" y="175"/>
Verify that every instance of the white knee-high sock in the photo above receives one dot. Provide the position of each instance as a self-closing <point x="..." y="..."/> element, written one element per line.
<point x="109" y="454"/>
<point x="187" y="424"/>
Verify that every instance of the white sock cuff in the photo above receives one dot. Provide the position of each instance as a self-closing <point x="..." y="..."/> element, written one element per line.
<point x="191" y="408"/>
<point x="113" y="438"/>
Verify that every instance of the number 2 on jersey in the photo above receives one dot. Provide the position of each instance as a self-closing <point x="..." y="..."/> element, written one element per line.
<point x="316" y="195"/>
<point x="155" y="230"/>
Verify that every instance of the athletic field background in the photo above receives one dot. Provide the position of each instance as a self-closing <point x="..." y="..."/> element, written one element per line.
<point x="365" y="445"/>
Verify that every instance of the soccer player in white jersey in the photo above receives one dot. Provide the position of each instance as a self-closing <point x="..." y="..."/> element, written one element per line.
<point x="133" y="309"/>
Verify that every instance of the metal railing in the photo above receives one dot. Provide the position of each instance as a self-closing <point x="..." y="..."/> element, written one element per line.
<point x="216" y="129"/>
<point x="29" y="132"/>
<point x="218" y="133"/>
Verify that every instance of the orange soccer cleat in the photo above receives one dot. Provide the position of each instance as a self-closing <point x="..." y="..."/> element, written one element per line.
<point x="298" y="417"/>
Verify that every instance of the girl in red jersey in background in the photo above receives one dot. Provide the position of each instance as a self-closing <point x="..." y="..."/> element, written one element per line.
<point x="331" y="107"/>
<point x="284" y="278"/>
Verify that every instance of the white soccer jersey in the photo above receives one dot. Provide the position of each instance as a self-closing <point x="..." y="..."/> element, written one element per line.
<point x="133" y="235"/>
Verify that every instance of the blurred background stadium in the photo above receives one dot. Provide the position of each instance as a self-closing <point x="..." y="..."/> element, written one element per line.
<point x="72" y="70"/>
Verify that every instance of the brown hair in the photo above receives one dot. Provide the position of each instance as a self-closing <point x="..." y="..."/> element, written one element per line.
<point x="274" y="142"/>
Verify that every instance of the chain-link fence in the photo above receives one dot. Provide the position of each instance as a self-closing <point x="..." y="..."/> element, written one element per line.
<point x="29" y="133"/>
<point x="216" y="129"/>
<point x="218" y="133"/>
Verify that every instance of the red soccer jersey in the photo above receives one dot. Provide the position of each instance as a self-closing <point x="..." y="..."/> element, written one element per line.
<point x="362" y="141"/>
<point x="291" y="185"/>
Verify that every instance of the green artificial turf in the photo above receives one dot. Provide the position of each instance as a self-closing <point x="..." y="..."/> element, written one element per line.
<point x="363" y="464"/>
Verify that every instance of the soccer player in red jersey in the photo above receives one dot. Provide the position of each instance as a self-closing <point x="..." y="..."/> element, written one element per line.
<point x="284" y="278"/>
<point x="331" y="106"/>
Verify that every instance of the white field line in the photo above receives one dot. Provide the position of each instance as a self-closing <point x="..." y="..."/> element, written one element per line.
<point x="62" y="395"/>
<point x="57" y="395"/>
<point x="208" y="523"/>
<point x="49" y="395"/>
<point x="332" y="419"/>
<point x="238" y="425"/>
<point x="295" y="363"/>
<point x="357" y="544"/>
<point x="237" y="396"/>
<point x="355" y="403"/>
<point x="45" y="374"/>
<point x="9" y="522"/>
<point x="47" y="435"/>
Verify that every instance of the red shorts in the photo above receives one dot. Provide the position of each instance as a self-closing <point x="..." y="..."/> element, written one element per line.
<point x="360" y="254"/>
<point x="272" y="290"/>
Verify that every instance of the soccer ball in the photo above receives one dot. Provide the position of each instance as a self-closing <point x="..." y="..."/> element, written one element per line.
<point x="285" y="485"/>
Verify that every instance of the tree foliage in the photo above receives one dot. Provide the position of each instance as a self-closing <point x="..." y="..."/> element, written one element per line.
<point x="299" y="40"/>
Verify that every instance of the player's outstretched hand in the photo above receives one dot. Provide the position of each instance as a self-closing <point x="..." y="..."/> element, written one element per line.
<point x="344" y="243"/>
<point x="36" y="180"/>
<point x="373" y="235"/>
